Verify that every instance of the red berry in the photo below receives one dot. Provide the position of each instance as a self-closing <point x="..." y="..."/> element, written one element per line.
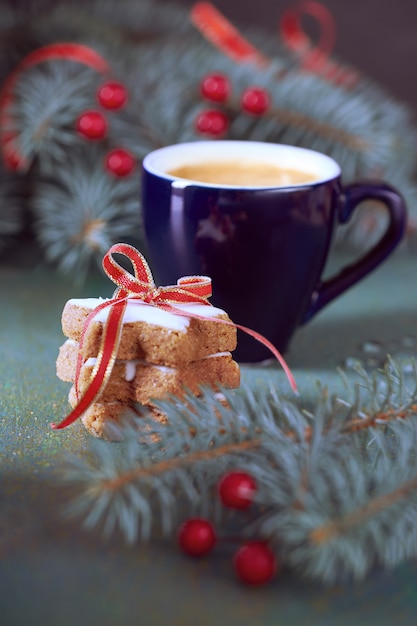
<point x="255" y="100"/>
<point x="120" y="162"/>
<point x="212" y="122"/>
<point x="255" y="563"/>
<point x="112" y="95"/>
<point x="197" y="537"/>
<point x="92" y="125"/>
<point x="236" y="490"/>
<point x="215" y="87"/>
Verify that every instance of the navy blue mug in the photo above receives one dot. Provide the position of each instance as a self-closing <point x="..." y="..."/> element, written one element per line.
<point x="258" y="218"/>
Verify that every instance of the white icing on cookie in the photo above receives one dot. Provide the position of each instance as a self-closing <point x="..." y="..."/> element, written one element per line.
<point x="130" y="371"/>
<point x="71" y="342"/>
<point x="217" y="354"/>
<point x="130" y="365"/>
<point x="137" y="311"/>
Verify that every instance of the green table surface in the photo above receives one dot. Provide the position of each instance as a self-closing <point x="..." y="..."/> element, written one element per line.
<point x="54" y="572"/>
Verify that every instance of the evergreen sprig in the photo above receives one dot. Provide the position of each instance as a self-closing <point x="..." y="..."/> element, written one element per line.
<point x="81" y="212"/>
<point x="337" y="478"/>
<point x="49" y="100"/>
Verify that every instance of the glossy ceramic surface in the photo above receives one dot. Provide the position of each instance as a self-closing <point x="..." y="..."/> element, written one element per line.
<point x="264" y="248"/>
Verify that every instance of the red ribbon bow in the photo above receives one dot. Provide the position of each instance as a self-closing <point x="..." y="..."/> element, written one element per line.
<point x="141" y="286"/>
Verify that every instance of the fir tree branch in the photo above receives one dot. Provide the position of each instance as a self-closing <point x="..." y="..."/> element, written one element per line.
<point x="334" y="528"/>
<point x="302" y="122"/>
<point x="181" y="461"/>
<point x="328" y="489"/>
<point x="188" y="459"/>
<point x="82" y="211"/>
<point x="378" y="419"/>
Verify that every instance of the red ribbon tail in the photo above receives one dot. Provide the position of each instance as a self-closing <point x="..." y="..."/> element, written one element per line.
<point x="274" y="351"/>
<point x="104" y="364"/>
<point x="245" y="329"/>
<point x="89" y="319"/>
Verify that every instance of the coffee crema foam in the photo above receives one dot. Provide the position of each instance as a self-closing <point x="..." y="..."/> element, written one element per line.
<point x="243" y="173"/>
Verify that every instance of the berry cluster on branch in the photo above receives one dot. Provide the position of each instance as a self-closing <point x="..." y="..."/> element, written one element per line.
<point x="216" y="88"/>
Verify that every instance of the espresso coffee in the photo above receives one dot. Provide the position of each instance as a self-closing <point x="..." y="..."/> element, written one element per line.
<point x="242" y="173"/>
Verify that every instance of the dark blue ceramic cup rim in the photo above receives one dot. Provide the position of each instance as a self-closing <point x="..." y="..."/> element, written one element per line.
<point x="320" y="166"/>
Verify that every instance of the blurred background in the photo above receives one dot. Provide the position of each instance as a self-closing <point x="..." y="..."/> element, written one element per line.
<point x="379" y="37"/>
<point x="161" y="60"/>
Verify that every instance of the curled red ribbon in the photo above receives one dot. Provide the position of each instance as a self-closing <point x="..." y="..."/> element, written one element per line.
<point x="217" y="29"/>
<point x="295" y="38"/>
<point x="141" y="286"/>
<point x="315" y="58"/>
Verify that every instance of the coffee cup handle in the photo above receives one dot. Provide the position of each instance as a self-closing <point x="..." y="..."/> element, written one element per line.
<point x="354" y="194"/>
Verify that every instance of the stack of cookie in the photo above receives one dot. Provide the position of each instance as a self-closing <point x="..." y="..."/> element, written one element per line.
<point x="159" y="354"/>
